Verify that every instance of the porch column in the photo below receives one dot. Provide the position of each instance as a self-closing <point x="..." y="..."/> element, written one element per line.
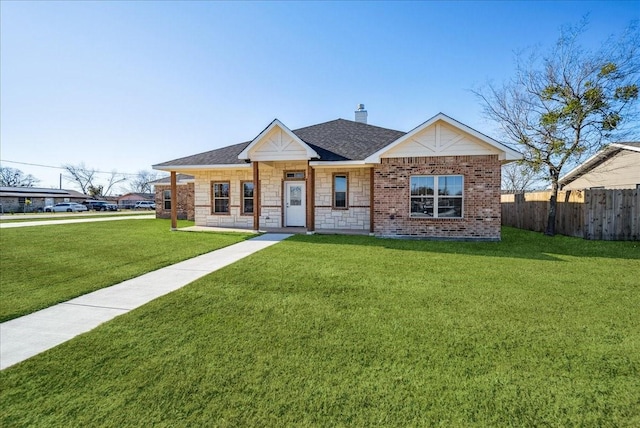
<point x="174" y="202"/>
<point x="311" y="198"/>
<point x="371" y="199"/>
<point x="256" y="196"/>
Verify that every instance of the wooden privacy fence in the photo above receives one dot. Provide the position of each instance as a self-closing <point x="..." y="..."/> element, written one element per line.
<point x="601" y="214"/>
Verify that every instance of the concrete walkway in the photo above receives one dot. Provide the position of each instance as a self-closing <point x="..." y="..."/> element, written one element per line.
<point x="24" y="337"/>
<point x="74" y="220"/>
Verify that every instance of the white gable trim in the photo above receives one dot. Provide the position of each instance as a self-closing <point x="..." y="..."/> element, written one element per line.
<point x="506" y="153"/>
<point x="593" y="161"/>
<point x="310" y="153"/>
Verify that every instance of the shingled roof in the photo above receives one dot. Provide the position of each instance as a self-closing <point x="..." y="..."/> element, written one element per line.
<point x="337" y="140"/>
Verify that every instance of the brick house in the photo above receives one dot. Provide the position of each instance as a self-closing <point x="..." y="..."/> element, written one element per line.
<point x="185" y="192"/>
<point x="440" y="180"/>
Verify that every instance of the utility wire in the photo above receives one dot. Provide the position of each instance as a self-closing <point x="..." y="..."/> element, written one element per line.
<point x="64" y="169"/>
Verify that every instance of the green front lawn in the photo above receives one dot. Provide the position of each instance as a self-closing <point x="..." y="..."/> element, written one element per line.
<point x="45" y="265"/>
<point x="358" y="331"/>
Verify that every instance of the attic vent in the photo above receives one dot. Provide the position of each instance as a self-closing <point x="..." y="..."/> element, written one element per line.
<point x="361" y="114"/>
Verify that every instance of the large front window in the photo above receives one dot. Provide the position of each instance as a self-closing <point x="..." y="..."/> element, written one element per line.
<point x="436" y="196"/>
<point x="220" y="192"/>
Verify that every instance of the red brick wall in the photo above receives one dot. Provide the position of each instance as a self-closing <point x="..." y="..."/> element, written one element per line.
<point x="185" y="200"/>
<point x="481" y="204"/>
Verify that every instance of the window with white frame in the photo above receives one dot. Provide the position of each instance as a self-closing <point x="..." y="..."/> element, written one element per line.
<point x="220" y="196"/>
<point x="436" y="196"/>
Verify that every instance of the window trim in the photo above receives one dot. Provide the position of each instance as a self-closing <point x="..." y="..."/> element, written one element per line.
<point x="243" y="198"/>
<point x="436" y="197"/>
<point x="214" y="198"/>
<point x="293" y="178"/>
<point x="165" y="199"/>
<point x="333" y="191"/>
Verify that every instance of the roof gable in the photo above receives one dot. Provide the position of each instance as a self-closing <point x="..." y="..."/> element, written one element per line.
<point x="443" y="136"/>
<point x="275" y="143"/>
<point x="595" y="161"/>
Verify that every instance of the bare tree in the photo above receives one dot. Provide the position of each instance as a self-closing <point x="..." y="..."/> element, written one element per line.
<point x="87" y="179"/>
<point x="141" y="182"/>
<point x="11" y="177"/>
<point x="114" y="179"/>
<point x="567" y="104"/>
<point x="518" y="177"/>
<point x="81" y="175"/>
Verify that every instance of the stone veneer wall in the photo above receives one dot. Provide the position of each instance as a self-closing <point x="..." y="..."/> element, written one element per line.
<point x="271" y="185"/>
<point x="481" y="204"/>
<point x="356" y="217"/>
<point x="185" y="201"/>
<point x="203" y="204"/>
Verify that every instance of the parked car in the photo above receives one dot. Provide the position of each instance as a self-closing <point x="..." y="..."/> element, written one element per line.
<point x="145" y="205"/>
<point x="112" y="207"/>
<point x="65" y="207"/>
<point x="99" y="205"/>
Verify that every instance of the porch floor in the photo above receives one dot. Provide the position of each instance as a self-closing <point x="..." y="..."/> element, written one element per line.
<point x="294" y="230"/>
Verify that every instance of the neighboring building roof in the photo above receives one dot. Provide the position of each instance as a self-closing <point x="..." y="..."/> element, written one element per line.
<point x="180" y="178"/>
<point x="602" y="156"/>
<point x="138" y="195"/>
<point x="39" y="192"/>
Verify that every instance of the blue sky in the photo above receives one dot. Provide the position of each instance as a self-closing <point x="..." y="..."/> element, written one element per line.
<point x="124" y="85"/>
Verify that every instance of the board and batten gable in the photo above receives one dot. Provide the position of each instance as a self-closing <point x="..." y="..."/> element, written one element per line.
<point x="440" y="139"/>
<point x="277" y="143"/>
<point x="443" y="136"/>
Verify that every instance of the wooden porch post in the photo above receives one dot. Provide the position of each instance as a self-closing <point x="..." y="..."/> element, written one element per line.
<point x="311" y="199"/>
<point x="256" y="197"/>
<point x="174" y="202"/>
<point x="371" y="200"/>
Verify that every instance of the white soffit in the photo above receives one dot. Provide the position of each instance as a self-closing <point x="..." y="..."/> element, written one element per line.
<point x="188" y="169"/>
<point x="339" y="164"/>
<point x="277" y="143"/>
<point x="443" y="136"/>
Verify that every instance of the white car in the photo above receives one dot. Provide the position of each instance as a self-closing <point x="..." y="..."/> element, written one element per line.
<point x="65" y="207"/>
<point x="145" y="205"/>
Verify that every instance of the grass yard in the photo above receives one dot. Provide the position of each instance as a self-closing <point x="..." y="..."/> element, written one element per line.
<point x="44" y="265"/>
<point x="358" y="331"/>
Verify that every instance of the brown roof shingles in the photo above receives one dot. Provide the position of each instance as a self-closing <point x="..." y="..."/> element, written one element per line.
<point x="337" y="140"/>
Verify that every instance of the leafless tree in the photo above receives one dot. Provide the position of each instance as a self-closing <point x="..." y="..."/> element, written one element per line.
<point x="86" y="179"/>
<point x="80" y="175"/>
<point x="141" y="182"/>
<point x="518" y="177"/>
<point x="565" y="105"/>
<point x="114" y="178"/>
<point x="11" y="177"/>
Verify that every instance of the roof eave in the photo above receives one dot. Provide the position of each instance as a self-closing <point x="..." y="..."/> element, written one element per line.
<point x="180" y="168"/>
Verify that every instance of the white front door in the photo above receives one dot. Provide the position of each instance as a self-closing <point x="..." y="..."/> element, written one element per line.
<point x="294" y="202"/>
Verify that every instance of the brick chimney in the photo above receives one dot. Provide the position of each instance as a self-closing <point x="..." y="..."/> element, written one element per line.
<point x="361" y="114"/>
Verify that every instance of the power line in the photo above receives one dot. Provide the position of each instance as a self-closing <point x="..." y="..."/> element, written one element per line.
<point x="64" y="169"/>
